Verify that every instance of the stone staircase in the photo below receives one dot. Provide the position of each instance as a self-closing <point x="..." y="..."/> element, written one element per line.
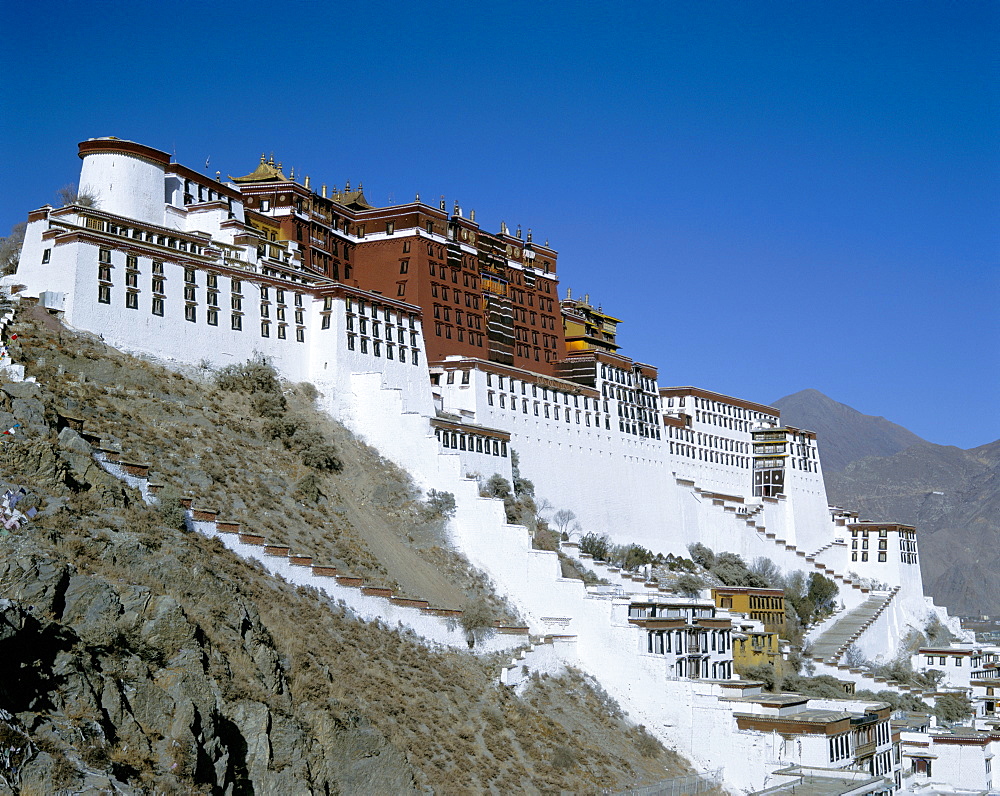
<point x="833" y="642"/>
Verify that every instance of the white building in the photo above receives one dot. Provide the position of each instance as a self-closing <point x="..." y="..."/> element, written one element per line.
<point x="169" y="264"/>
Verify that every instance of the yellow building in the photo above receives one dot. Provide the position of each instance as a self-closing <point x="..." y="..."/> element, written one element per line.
<point x="757" y="641"/>
<point x="587" y="328"/>
<point x="765" y="605"/>
<point x="755" y="646"/>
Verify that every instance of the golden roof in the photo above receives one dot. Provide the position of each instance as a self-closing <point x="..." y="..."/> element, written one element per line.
<point x="265" y="172"/>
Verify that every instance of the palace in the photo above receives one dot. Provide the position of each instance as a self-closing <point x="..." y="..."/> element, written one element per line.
<point x="448" y="348"/>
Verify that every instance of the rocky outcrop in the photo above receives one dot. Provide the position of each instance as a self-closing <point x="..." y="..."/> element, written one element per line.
<point x="108" y="685"/>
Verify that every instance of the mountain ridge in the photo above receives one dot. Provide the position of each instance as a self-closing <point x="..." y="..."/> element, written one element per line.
<point x="950" y="494"/>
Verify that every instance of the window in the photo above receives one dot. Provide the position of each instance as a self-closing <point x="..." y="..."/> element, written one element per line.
<point x="132" y="300"/>
<point x="104" y="294"/>
<point x="212" y="280"/>
<point x="404" y="266"/>
<point x="104" y="256"/>
<point x="46" y="256"/>
<point x="237" y="323"/>
<point x="326" y="322"/>
<point x="213" y="317"/>
<point x="157" y="267"/>
<point x="300" y="335"/>
<point x="401" y="288"/>
<point x="282" y="331"/>
<point x="237" y="303"/>
<point x="189" y="294"/>
<point x="189" y="275"/>
<point x="104" y="273"/>
<point x="158" y="306"/>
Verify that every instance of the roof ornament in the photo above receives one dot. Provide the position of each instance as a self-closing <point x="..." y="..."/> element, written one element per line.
<point x="218" y="176"/>
<point x="518" y="233"/>
<point x="569" y="293"/>
<point x="292" y="176"/>
<point x="361" y="186"/>
<point x="442" y="204"/>
<point x="418" y="197"/>
<point x="529" y="234"/>
<point x="270" y="160"/>
<point x="458" y="210"/>
<point x="504" y="230"/>
<point x="472" y="215"/>
<point x="324" y="191"/>
<point x="263" y="158"/>
<point x="347" y="187"/>
<point x="546" y="243"/>
<point x="307" y="182"/>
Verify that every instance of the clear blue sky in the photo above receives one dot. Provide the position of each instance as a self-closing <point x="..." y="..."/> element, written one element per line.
<point x="771" y="195"/>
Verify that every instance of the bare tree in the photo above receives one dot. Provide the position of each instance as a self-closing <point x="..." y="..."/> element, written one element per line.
<point x="71" y="195"/>
<point x="10" y="248"/>
<point x="562" y="519"/>
<point x="855" y="658"/>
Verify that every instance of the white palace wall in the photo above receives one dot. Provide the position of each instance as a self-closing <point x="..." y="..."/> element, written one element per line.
<point x="87" y="263"/>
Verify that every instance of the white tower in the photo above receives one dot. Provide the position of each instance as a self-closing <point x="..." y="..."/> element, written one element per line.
<point x="126" y="178"/>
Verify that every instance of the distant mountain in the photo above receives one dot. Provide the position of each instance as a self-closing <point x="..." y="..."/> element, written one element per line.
<point x="845" y="435"/>
<point x="887" y="473"/>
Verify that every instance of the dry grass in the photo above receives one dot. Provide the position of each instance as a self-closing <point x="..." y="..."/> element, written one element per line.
<point x="263" y="641"/>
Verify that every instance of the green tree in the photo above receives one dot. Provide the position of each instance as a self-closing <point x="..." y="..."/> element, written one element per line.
<point x="596" y="545"/>
<point x="689" y="585"/>
<point x="441" y="503"/>
<point x="701" y="555"/>
<point x="952" y="707"/>
<point x="478" y="620"/>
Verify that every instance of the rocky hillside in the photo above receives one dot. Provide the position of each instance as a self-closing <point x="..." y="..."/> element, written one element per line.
<point x="138" y="657"/>
<point x="952" y="496"/>
<point x="887" y="473"/>
<point x="845" y="434"/>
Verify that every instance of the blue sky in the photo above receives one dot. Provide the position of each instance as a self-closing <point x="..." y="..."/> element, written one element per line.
<point x="771" y="195"/>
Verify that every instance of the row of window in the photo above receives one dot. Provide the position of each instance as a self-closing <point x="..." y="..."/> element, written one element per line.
<point x="531" y="317"/>
<point x="545" y="393"/>
<point x="360" y="324"/>
<point x="376" y="347"/>
<point x="191" y="313"/>
<point x="882" y="557"/>
<point x="443" y="292"/>
<point x="716" y="457"/>
<point x="442" y="272"/>
<point x="447" y="331"/>
<point x="461" y="318"/>
<point x="840" y="747"/>
<point x="883" y="544"/>
<point x="660" y="642"/>
<point x="145" y="236"/>
<point x="374" y="310"/>
<point x="943" y="660"/>
<point x="548" y="411"/>
<point x="475" y="443"/>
